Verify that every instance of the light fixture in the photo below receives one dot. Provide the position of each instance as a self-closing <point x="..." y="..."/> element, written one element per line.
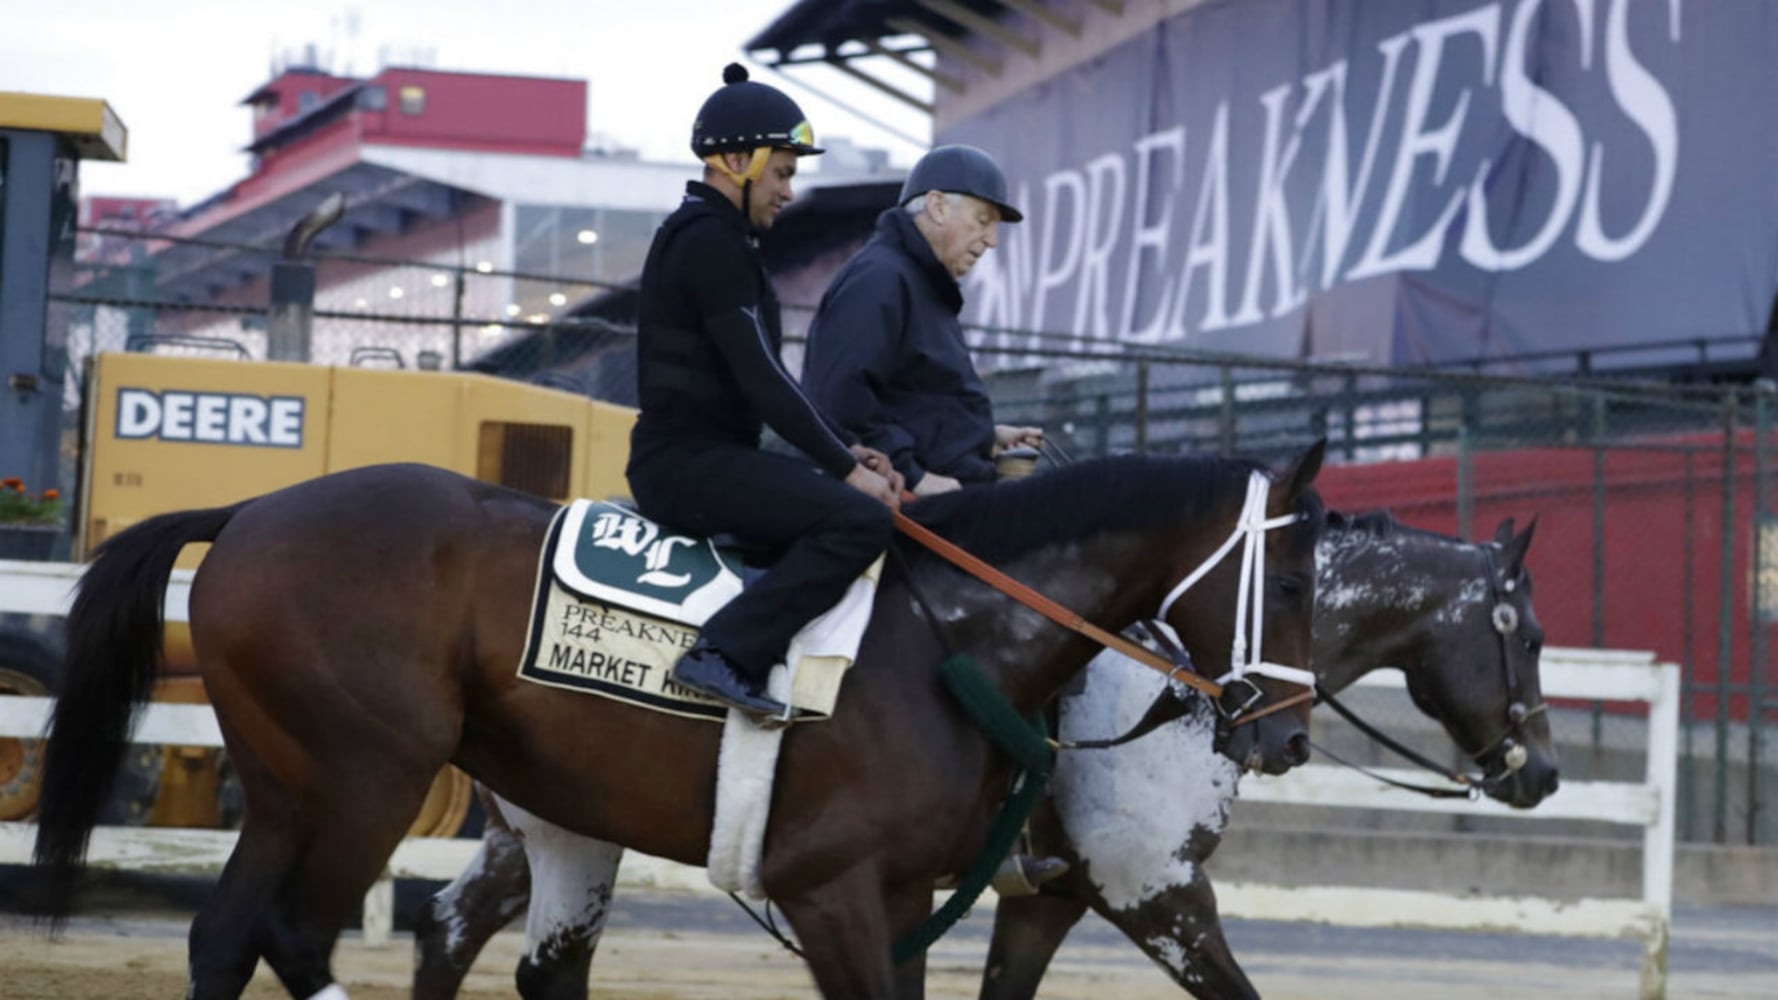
<point x="558" y="299"/>
<point x="395" y="292"/>
<point x="538" y="317"/>
<point x="492" y="330"/>
<point x="513" y="309"/>
<point x="587" y="236"/>
<point x="360" y="304"/>
<point x="484" y="266"/>
<point x="439" y="281"/>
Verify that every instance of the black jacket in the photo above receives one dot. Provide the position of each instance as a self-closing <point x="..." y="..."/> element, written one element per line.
<point x="887" y="360"/>
<point x="707" y="368"/>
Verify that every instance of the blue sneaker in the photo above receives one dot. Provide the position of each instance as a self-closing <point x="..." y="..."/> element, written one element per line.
<point x="704" y="669"/>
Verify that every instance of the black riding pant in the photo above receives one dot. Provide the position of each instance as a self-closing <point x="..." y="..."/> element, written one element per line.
<point x="828" y="533"/>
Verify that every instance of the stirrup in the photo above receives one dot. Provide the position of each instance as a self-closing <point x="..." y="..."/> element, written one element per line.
<point x="1022" y="874"/>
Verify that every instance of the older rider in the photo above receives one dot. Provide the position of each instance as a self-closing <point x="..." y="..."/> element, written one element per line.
<point x="886" y="353"/>
<point x="887" y="357"/>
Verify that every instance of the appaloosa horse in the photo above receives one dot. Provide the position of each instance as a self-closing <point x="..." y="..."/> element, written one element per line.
<point x="358" y="631"/>
<point x="1137" y="820"/>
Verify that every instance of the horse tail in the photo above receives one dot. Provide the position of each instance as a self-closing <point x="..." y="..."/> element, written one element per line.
<point x="114" y="641"/>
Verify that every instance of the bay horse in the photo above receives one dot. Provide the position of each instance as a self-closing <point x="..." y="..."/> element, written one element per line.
<point x="358" y="631"/>
<point x="1137" y="821"/>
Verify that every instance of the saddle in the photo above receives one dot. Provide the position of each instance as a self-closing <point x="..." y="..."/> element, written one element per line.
<point x="619" y="598"/>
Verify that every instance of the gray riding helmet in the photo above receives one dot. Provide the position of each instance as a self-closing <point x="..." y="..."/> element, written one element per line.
<point x="960" y="170"/>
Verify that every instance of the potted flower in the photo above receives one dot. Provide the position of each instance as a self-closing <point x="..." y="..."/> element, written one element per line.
<point x="29" y="525"/>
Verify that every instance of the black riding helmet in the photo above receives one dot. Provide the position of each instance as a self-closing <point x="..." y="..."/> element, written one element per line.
<point x="960" y="170"/>
<point x="743" y="116"/>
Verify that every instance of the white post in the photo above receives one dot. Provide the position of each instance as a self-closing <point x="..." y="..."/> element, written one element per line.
<point x="379" y="912"/>
<point x="1657" y="838"/>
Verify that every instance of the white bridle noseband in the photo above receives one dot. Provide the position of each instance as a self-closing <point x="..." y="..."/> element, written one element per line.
<point x="1250" y="530"/>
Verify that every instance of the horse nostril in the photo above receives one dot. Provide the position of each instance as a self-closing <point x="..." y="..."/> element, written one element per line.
<point x="1296" y="749"/>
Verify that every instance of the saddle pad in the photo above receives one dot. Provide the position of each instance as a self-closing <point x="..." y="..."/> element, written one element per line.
<point x="618" y="601"/>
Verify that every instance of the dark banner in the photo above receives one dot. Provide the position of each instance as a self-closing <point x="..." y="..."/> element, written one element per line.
<point x="1398" y="181"/>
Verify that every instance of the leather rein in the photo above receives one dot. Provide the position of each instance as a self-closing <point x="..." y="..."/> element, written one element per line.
<point x="1181" y="671"/>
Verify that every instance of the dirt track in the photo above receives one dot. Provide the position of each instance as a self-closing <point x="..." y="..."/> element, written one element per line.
<point x="650" y="954"/>
<point x="143" y="959"/>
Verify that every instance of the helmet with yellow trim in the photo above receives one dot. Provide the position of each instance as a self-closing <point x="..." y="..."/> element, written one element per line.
<point x="744" y="116"/>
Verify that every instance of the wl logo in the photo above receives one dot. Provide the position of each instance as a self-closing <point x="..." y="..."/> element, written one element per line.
<point x="634" y="536"/>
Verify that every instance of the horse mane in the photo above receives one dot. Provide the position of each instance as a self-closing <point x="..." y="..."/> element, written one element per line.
<point x="1124" y="493"/>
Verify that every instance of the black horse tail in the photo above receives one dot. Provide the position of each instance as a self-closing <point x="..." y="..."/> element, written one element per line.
<point x="114" y="642"/>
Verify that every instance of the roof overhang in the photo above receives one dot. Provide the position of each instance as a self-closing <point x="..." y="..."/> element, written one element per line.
<point x="378" y="200"/>
<point x="332" y="107"/>
<point x="858" y="37"/>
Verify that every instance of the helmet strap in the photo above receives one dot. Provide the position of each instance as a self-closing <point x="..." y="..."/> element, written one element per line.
<point x="756" y="168"/>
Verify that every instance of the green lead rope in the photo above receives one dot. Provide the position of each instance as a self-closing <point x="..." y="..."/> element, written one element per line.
<point x="1026" y="742"/>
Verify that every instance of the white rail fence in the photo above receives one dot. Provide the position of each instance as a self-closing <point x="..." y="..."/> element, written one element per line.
<point x="1611" y="675"/>
<point x="1604" y="674"/>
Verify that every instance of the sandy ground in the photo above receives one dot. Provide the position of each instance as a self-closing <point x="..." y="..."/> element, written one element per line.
<point x="672" y="947"/>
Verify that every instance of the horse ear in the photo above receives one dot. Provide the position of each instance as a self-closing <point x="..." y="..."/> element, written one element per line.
<point x="1513" y="552"/>
<point x="1504" y="533"/>
<point x="1301" y="472"/>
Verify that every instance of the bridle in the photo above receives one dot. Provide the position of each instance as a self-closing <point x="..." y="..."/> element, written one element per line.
<point x="1247" y="660"/>
<point x="1504" y="618"/>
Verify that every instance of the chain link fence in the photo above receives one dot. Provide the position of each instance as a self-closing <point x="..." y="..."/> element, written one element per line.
<point x="1654" y="506"/>
<point x="1654" y="502"/>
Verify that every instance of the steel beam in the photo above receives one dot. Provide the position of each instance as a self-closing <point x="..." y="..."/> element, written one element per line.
<point x="944" y="80"/>
<point x="861" y="76"/>
<point x="981" y="25"/>
<point x="1061" y="22"/>
<point x="946" y="44"/>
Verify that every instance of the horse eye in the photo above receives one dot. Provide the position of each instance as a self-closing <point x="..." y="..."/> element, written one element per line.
<point x="1290" y="586"/>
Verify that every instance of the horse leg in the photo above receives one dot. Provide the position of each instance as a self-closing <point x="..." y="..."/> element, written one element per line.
<point x="456" y="923"/>
<point x="352" y="831"/>
<point x="1178" y="927"/>
<point x="224" y="942"/>
<point x="1027" y="932"/>
<point x="908" y="908"/>
<point x="572" y="880"/>
<point x="845" y="931"/>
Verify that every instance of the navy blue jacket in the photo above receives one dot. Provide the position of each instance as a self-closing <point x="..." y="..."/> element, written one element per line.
<point x="887" y="361"/>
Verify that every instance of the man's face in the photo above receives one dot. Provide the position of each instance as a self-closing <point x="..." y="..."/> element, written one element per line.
<point x="772" y="191"/>
<point x="963" y="228"/>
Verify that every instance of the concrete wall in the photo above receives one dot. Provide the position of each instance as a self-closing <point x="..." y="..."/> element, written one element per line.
<point x="1301" y="845"/>
<point x="1488" y="864"/>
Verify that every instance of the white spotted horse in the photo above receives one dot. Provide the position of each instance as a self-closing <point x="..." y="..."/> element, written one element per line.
<point x="1137" y="820"/>
<point x="358" y="631"/>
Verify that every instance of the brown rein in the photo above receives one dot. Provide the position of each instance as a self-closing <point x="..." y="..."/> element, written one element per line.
<point x="1055" y="612"/>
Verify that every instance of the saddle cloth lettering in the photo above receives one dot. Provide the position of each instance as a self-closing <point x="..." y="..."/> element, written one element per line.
<point x="619" y="599"/>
